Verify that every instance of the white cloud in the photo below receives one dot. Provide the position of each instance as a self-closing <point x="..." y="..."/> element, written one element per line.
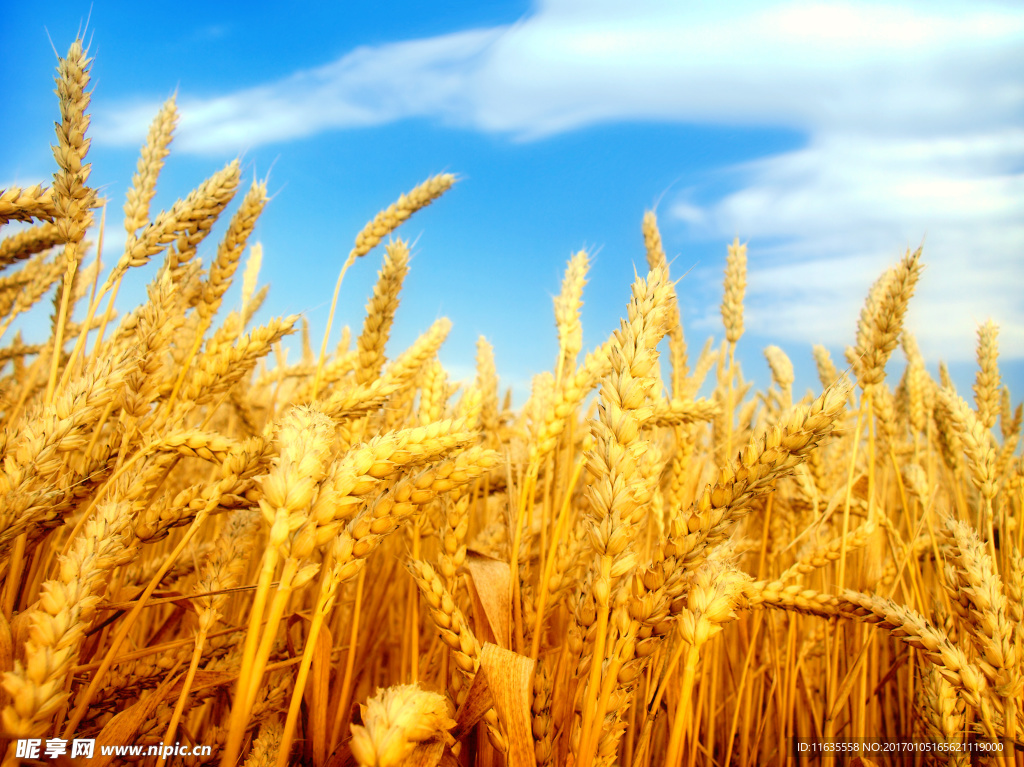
<point x="798" y="64"/>
<point x="825" y="220"/>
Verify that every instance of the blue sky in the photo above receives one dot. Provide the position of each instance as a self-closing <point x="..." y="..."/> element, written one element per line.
<point x="829" y="136"/>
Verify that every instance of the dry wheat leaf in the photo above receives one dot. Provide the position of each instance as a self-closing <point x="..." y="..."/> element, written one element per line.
<point x="478" y="701"/>
<point x="510" y="678"/>
<point x="318" y="694"/>
<point x="342" y="756"/>
<point x="426" y="754"/>
<point x="19" y="627"/>
<point x="205" y="679"/>
<point x="123" y="727"/>
<point x="490" y="578"/>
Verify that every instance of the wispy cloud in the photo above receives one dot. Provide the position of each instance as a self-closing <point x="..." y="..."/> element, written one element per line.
<point x="916" y="67"/>
<point x="369" y="86"/>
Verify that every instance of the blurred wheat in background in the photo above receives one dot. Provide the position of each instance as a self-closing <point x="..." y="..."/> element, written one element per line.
<point x="351" y="559"/>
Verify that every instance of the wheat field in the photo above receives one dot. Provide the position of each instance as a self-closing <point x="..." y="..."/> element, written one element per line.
<point x="353" y="560"/>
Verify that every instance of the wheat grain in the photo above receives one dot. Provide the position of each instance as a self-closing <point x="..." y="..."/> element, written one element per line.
<point x="976" y="440"/>
<point x="881" y="319"/>
<point x="567" y="311"/>
<point x="31" y="482"/>
<point x="151" y="161"/>
<point x="27" y="203"/>
<point x="396" y="722"/>
<point x="782" y="372"/>
<point x="28" y="242"/>
<point x="735" y="287"/>
<point x="389" y="219"/>
<point x="380" y="312"/>
<point x="186" y="224"/>
<point x="987" y="381"/>
<point x="264" y="748"/>
<point x="977" y="590"/>
<point x="58" y="626"/>
<point x="433" y="393"/>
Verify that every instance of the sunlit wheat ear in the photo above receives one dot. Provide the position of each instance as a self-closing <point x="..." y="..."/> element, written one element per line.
<point x="619" y="494"/>
<point x="433" y="393"/>
<point x="73" y="199"/>
<point x="264" y="748"/>
<point x="27" y="287"/>
<point x="881" y="319"/>
<point x="567" y="311"/>
<point x="782" y="371"/>
<point x="150" y="163"/>
<point x="380" y="312"/>
<point x="27" y="243"/>
<point x="185" y="224"/>
<point x="656" y="258"/>
<point x="735" y="288"/>
<point x="58" y="626"/>
<point x="977" y="441"/>
<point x="944" y="710"/>
<point x="27" y="203"/>
<point x="222" y="270"/>
<point x="397" y="722"/>
<point x="979" y="600"/>
<point x="382" y="225"/>
<point x="771" y="454"/>
<point x="918" y="386"/>
<point x="487" y="385"/>
<point x="389" y="219"/>
<point x="987" y="382"/>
